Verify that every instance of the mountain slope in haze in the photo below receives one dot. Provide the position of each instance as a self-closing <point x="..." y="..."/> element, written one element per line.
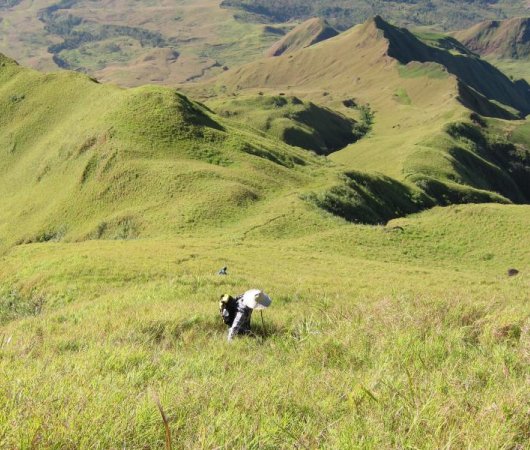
<point x="500" y="39"/>
<point x="304" y="35"/>
<point x="131" y="42"/>
<point x="345" y="13"/>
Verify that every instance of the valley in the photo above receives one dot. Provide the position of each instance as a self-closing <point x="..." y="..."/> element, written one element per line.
<point x="374" y="181"/>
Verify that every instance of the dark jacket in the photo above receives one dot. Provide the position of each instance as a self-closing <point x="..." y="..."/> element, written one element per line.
<point x="241" y="323"/>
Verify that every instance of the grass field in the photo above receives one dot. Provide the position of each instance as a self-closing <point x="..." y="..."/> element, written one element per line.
<point x="414" y="338"/>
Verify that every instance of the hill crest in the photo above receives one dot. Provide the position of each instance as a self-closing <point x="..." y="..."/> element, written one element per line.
<point x="308" y="33"/>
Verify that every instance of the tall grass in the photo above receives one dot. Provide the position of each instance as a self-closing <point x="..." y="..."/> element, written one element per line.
<point x="375" y="340"/>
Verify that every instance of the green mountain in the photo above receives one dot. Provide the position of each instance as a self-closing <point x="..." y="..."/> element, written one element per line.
<point x="137" y="162"/>
<point x="106" y="146"/>
<point x="422" y="103"/>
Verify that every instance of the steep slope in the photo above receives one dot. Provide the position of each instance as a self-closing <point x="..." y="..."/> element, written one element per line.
<point x="304" y="35"/>
<point x="415" y="95"/>
<point x="377" y="43"/>
<point x="82" y="160"/>
<point x="501" y="39"/>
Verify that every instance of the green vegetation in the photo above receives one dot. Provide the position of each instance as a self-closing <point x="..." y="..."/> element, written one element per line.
<point x="296" y="123"/>
<point x="370" y="199"/>
<point x="396" y="323"/>
<point x="131" y="159"/>
<point x="415" y="70"/>
<point x="402" y="97"/>
<point x="370" y="333"/>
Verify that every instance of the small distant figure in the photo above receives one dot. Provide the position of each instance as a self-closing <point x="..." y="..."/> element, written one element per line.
<point x="223" y="271"/>
<point x="513" y="272"/>
<point x="237" y="311"/>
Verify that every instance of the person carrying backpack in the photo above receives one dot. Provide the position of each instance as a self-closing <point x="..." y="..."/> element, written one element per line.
<point x="236" y="312"/>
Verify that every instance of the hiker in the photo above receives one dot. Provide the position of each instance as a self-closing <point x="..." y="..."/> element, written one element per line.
<point x="236" y="312"/>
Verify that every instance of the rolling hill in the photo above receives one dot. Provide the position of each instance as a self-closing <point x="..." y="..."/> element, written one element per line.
<point x="165" y="42"/>
<point x="138" y="161"/>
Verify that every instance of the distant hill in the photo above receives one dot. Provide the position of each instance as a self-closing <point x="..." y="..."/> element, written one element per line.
<point x="133" y="42"/>
<point x="369" y="50"/>
<point x="343" y="14"/>
<point x="500" y="39"/>
<point x="307" y="33"/>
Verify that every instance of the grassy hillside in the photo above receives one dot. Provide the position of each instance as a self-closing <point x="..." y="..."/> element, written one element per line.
<point x="310" y="32"/>
<point x="289" y="119"/>
<point x="395" y="323"/>
<point x="138" y="162"/>
<point x="421" y="99"/>
<point x="371" y="334"/>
